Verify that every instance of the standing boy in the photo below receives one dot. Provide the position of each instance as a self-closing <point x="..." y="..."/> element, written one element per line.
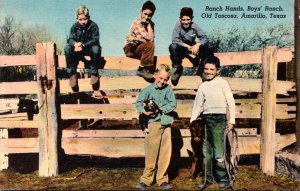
<point x="158" y="146"/>
<point x="83" y="41"/>
<point x="188" y="41"/>
<point x="213" y="98"/>
<point x="140" y="41"/>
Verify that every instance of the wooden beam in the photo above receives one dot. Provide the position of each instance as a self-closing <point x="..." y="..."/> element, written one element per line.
<point x="122" y="147"/>
<point x="19" y="124"/>
<point x="16" y="117"/>
<point x="186" y="82"/>
<point x="125" y="83"/>
<point x="3" y="155"/>
<point x="19" y="145"/>
<point x="136" y="133"/>
<point x="184" y="109"/>
<point x="124" y="63"/>
<point x="17" y="60"/>
<point x="268" y="127"/>
<point x="118" y="147"/>
<point x="46" y="73"/>
<point x="297" y="68"/>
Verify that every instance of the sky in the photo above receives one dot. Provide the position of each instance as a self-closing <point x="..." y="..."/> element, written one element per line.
<point x="114" y="17"/>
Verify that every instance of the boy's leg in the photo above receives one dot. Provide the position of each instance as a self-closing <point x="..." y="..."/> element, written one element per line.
<point x="207" y="152"/>
<point x="72" y="59"/>
<point x="219" y="124"/>
<point x="205" y="50"/>
<point x="152" y="143"/>
<point x="177" y="53"/>
<point x="145" y="52"/>
<point x="95" y="53"/>
<point x="164" y="157"/>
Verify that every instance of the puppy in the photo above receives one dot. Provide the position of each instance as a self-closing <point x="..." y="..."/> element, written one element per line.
<point x="197" y="132"/>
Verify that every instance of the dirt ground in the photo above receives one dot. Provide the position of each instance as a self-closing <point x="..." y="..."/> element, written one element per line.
<point x="94" y="173"/>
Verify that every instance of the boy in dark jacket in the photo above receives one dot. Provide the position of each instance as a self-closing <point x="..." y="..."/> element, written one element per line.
<point x="83" y="41"/>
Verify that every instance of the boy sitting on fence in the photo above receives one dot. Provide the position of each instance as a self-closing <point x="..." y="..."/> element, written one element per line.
<point x="188" y="41"/>
<point x="158" y="146"/>
<point x="83" y="41"/>
<point x="212" y="99"/>
<point x="140" y="41"/>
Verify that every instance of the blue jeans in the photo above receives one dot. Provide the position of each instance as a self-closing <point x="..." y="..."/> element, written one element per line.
<point x="178" y="53"/>
<point x="213" y="147"/>
<point x="72" y="58"/>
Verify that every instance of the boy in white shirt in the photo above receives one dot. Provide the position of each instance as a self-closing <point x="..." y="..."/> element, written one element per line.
<point x="213" y="97"/>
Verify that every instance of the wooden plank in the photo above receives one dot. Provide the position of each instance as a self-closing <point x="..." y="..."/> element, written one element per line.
<point x="128" y="112"/>
<point x="130" y="97"/>
<point x="16" y="117"/>
<point x="18" y="124"/>
<point x="136" y="133"/>
<point x="3" y="155"/>
<point x="11" y="104"/>
<point x="125" y="83"/>
<point x="268" y="127"/>
<point x="122" y="147"/>
<point x="46" y="73"/>
<point x="297" y="68"/>
<point x="122" y="62"/>
<point x="186" y="82"/>
<point x="19" y="88"/>
<point x="112" y="147"/>
<point x="17" y="60"/>
<point x="117" y="147"/>
<point x="19" y="145"/>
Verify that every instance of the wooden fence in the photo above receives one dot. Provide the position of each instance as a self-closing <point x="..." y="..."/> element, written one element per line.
<point x="56" y="105"/>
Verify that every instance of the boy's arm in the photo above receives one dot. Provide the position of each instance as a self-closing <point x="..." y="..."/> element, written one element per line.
<point x="95" y="36"/>
<point x="203" y="39"/>
<point x="176" y="37"/>
<point x="139" y="104"/>
<point x="72" y="37"/>
<point x="138" y="32"/>
<point x="230" y="103"/>
<point x="198" y="104"/>
<point x="171" y="102"/>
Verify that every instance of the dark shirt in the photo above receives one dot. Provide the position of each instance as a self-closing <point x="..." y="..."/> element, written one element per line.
<point x="88" y="35"/>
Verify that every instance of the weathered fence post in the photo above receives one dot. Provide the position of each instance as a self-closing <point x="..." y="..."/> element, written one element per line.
<point x="267" y="140"/>
<point x="46" y="74"/>
<point x="3" y="156"/>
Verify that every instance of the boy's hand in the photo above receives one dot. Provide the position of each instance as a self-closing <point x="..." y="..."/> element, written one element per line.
<point x="195" y="49"/>
<point x="130" y="38"/>
<point x="147" y="112"/>
<point x="146" y="131"/>
<point x="229" y="126"/>
<point x="78" y="46"/>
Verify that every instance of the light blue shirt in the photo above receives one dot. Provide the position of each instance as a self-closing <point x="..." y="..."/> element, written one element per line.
<point x="188" y="36"/>
<point x="164" y="99"/>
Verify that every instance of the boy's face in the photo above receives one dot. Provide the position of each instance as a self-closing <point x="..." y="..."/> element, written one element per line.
<point x="146" y="15"/>
<point x="210" y="71"/>
<point x="185" y="21"/>
<point x="161" y="78"/>
<point x="82" y="19"/>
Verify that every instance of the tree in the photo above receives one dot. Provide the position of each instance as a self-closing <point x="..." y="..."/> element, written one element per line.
<point x="18" y="40"/>
<point x="239" y="39"/>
